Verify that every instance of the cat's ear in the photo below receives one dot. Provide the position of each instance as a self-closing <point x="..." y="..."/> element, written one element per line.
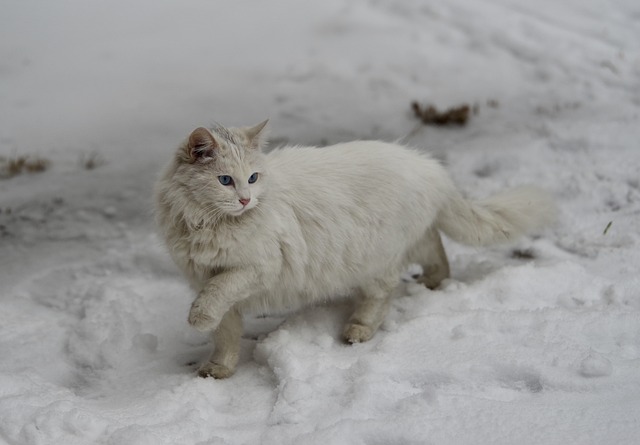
<point x="257" y="134"/>
<point x="201" y="145"/>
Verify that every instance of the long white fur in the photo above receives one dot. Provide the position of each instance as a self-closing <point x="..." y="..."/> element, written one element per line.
<point x="323" y="223"/>
<point x="496" y="219"/>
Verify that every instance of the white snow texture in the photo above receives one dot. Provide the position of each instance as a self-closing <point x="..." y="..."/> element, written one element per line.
<point x="537" y="343"/>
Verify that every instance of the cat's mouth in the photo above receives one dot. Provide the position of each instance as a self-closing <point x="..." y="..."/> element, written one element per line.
<point x="241" y="210"/>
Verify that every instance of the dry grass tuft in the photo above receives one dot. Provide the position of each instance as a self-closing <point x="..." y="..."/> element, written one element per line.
<point x="10" y="167"/>
<point x="92" y="160"/>
<point x="453" y="116"/>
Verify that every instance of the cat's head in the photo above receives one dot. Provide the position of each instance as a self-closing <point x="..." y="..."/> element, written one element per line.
<point x="222" y="169"/>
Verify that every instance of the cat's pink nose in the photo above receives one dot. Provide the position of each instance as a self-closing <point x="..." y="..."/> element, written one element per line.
<point x="244" y="201"/>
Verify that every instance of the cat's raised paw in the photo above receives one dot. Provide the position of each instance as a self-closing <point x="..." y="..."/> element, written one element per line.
<point x="215" y="370"/>
<point x="201" y="319"/>
<point x="357" y="333"/>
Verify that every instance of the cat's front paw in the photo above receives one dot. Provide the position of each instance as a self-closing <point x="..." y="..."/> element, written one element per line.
<point x="357" y="333"/>
<point x="215" y="370"/>
<point x="201" y="317"/>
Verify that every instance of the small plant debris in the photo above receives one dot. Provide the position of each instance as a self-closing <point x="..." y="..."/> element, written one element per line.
<point x="92" y="160"/>
<point x="606" y="229"/>
<point x="523" y="254"/>
<point x="429" y="115"/>
<point x="10" y="167"/>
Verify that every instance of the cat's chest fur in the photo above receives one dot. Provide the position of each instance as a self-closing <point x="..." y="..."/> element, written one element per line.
<point x="219" y="247"/>
<point x="208" y="250"/>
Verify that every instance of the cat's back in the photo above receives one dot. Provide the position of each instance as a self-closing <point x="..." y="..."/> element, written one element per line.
<point x="360" y="186"/>
<point x="359" y="162"/>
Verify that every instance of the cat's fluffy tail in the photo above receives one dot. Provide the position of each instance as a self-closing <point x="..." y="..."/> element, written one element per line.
<point x="499" y="218"/>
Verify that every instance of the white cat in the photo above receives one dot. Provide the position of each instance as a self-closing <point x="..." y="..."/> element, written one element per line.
<point x="256" y="232"/>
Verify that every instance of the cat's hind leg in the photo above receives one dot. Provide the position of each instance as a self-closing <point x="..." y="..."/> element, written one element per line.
<point x="226" y="338"/>
<point x="371" y="306"/>
<point x="429" y="253"/>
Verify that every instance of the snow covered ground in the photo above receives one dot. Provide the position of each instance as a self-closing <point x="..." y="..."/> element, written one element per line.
<point x="537" y="343"/>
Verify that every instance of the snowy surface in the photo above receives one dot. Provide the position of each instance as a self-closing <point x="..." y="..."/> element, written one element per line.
<point x="540" y="347"/>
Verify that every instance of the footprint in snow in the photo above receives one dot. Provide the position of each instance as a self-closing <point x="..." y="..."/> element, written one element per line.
<point x="595" y="365"/>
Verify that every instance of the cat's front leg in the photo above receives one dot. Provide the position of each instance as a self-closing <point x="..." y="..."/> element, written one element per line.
<point x="202" y="315"/>
<point x="219" y="294"/>
<point x="226" y="338"/>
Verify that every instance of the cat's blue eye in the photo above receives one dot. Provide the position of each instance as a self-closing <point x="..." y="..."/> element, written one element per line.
<point x="253" y="178"/>
<point x="225" y="179"/>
